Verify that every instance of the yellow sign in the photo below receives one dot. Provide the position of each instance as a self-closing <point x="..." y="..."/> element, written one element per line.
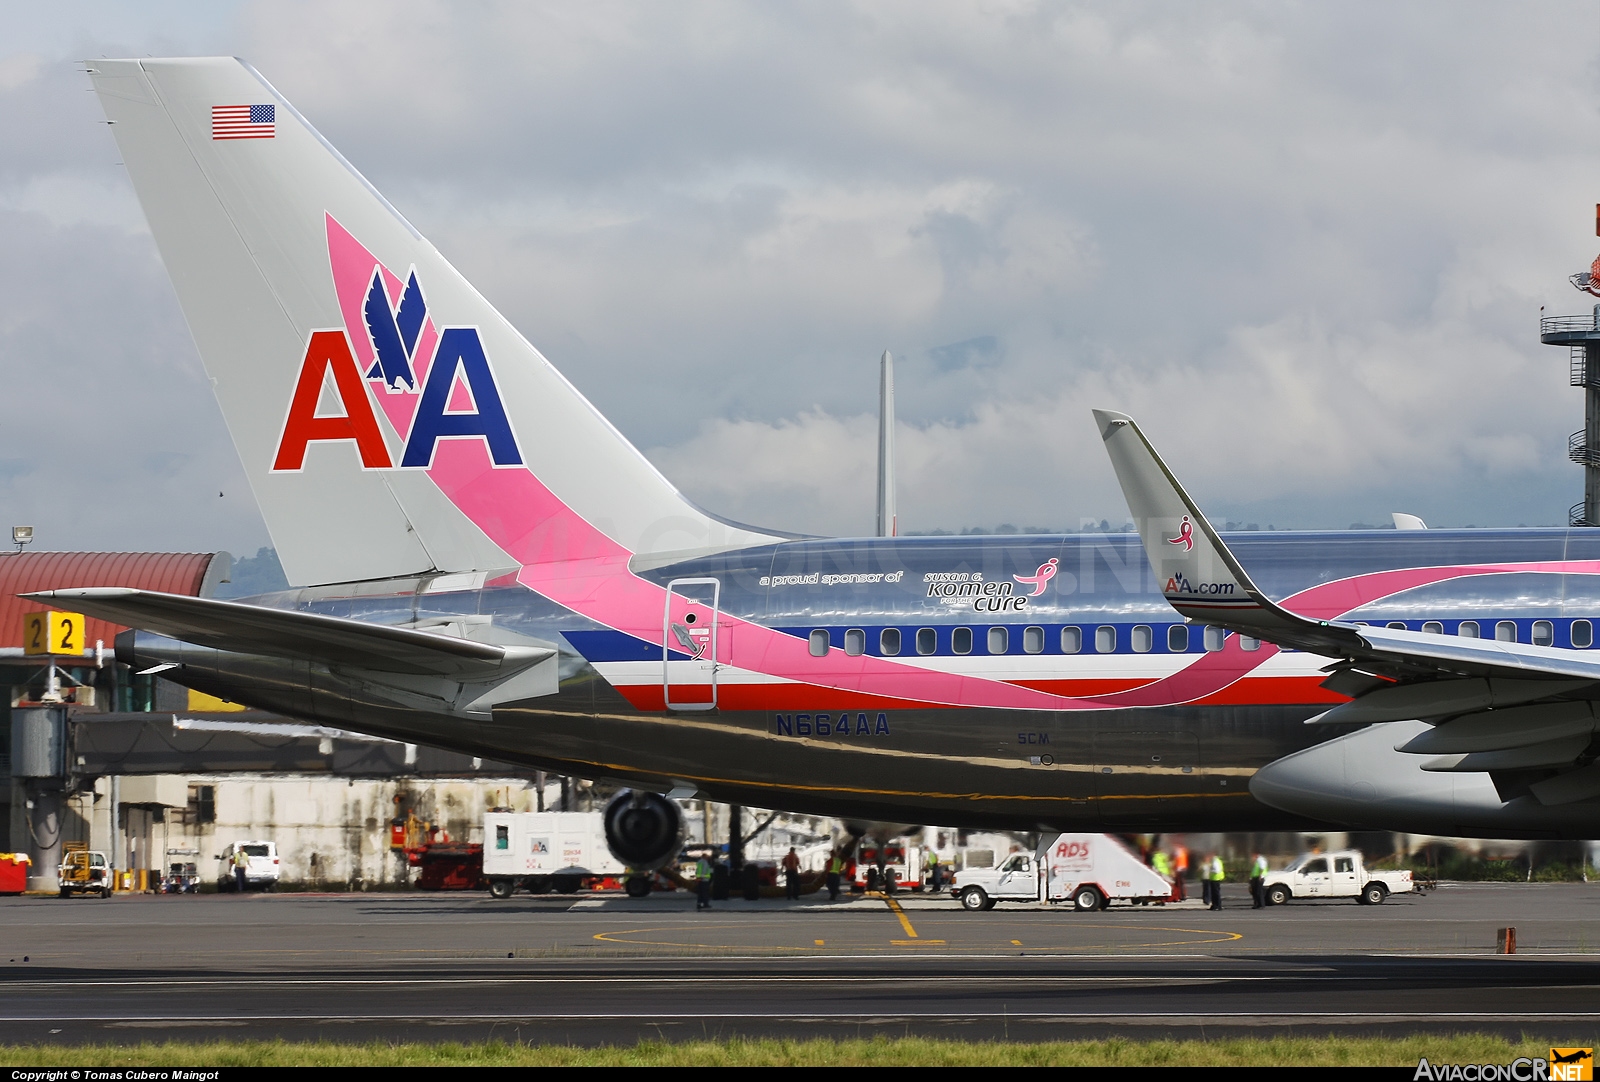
<point x="1572" y="1064"/>
<point x="52" y="633"/>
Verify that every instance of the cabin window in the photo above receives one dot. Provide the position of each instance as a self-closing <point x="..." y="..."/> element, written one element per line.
<point x="1316" y="867"/>
<point x="961" y="640"/>
<point x="1105" y="639"/>
<point x="1344" y="864"/>
<point x="1178" y="638"/>
<point x="1544" y="633"/>
<point x="819" y="642"/>
<point x="502" y="837"/>
<point x="1433" y="627"/>
<point x="1506" y="631"/>
<point x="1468" y="629"/>
<point x="927" y="640"/>
<point x="1582" y="634"/>
<point x="999" y="640"/>
<point x="1398" y="625"/>
<point x="1247" y="643"/>
<point x="855" y="642"/>
<point x="1033" y="640"/>
<point x="1215" y="638"/>
<point x="1142" y="638"/>
<point x="1071" y="640"/>
<point x="889" y="642"/>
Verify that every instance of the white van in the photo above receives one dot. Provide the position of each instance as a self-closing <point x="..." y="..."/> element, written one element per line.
<point x="260" y="874"/>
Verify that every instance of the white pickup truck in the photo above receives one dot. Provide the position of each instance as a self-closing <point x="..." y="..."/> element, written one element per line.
<point x="1333" y="875"/>
<point x="1090" y="870"/>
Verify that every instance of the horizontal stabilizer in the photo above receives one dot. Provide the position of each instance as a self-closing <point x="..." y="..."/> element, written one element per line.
<point x="308" y="636"/>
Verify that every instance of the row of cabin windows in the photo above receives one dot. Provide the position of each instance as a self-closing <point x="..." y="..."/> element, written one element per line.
<point x="1543" y="632"/>
<point x="1142" y="638"/>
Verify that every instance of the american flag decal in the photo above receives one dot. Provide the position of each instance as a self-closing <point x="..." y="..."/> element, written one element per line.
<point x="243" y="121"/>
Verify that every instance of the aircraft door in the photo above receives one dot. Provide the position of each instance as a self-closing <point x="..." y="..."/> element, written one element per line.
<point x="693" y="643"/>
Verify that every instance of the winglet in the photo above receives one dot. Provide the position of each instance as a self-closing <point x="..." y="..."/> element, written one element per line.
<point x="1198" y="576"/>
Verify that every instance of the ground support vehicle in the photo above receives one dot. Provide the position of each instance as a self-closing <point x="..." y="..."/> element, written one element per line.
<point x="84" y="871"/>
<point x="448" y="866"/>
<point x="1341" y="874"/>
<point x="14" y="873"/>
<point x="182" y="878"/>
<point x="1088" y="870"/>
<point x="260" y="873"/>
<point x="900" y="867"/>
<point x="542" y="851"/>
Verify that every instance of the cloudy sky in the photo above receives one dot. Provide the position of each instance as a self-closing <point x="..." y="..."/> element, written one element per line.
<point x="1305" y="244"/>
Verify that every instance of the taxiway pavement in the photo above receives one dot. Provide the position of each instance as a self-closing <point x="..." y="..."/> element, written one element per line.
<point x="606" y="969"/>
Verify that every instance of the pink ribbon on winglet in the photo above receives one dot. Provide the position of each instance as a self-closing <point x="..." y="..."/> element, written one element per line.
<point x="1185" y="535"/>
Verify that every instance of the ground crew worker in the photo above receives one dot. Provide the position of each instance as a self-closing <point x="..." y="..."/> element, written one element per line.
<point x="835" y="873"/>
<point x="1217" y="874"/>
<point x="1204" y="875"/>
<point x="702" y="884"/>
<point x="1258" y="874"/>
<point x="791" y="875"/>
<point x="1180" y="873"/>
<point x="1162" y="864"/>
<point x="241" y="863"/>
<point x="934" y="881"/>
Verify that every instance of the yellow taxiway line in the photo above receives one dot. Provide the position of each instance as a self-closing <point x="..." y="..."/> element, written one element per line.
<point x="912" y="939"/>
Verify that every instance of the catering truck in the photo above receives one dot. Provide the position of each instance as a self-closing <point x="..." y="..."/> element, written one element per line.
<point x="544" y="851"/>
<point x="1333" y="875"/>
<point x="1089" y="870"/>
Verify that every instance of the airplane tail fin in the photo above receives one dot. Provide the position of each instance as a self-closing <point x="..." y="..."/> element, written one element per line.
<point x="390" y="420"/>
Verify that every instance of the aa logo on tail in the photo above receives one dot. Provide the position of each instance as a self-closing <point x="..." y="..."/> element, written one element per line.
<point x="432" y="384"/>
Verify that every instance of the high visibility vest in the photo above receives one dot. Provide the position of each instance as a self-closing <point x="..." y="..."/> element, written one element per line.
<point x="836" y="865"/>
<point x="1216" y="870"/>
<point x="702" y="869"/>
<point x="1259" y="869"/>
<point x="1161" y="864"/>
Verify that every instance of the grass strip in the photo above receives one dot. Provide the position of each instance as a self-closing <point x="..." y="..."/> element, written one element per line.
<point x="1332" y="1051"/>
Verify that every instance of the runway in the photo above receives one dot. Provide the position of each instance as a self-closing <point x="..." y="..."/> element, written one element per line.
<point x="592" y="970"/>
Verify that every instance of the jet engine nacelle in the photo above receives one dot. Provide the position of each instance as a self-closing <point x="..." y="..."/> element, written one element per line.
<point x="645" y="831"/>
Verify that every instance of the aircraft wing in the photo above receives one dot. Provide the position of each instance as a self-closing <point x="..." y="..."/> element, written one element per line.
<point x="1463" y="687"/>
<point x="287" y="633"/>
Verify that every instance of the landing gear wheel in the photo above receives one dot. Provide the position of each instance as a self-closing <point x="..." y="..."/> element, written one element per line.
<point x="1373" y="894"/>
<point x="1087" y="900"/>
<point x="500" y="888"/>
<point x="973" y="899"/>
<point x="1277" y="895"/>
<point x="638" y="886"/>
